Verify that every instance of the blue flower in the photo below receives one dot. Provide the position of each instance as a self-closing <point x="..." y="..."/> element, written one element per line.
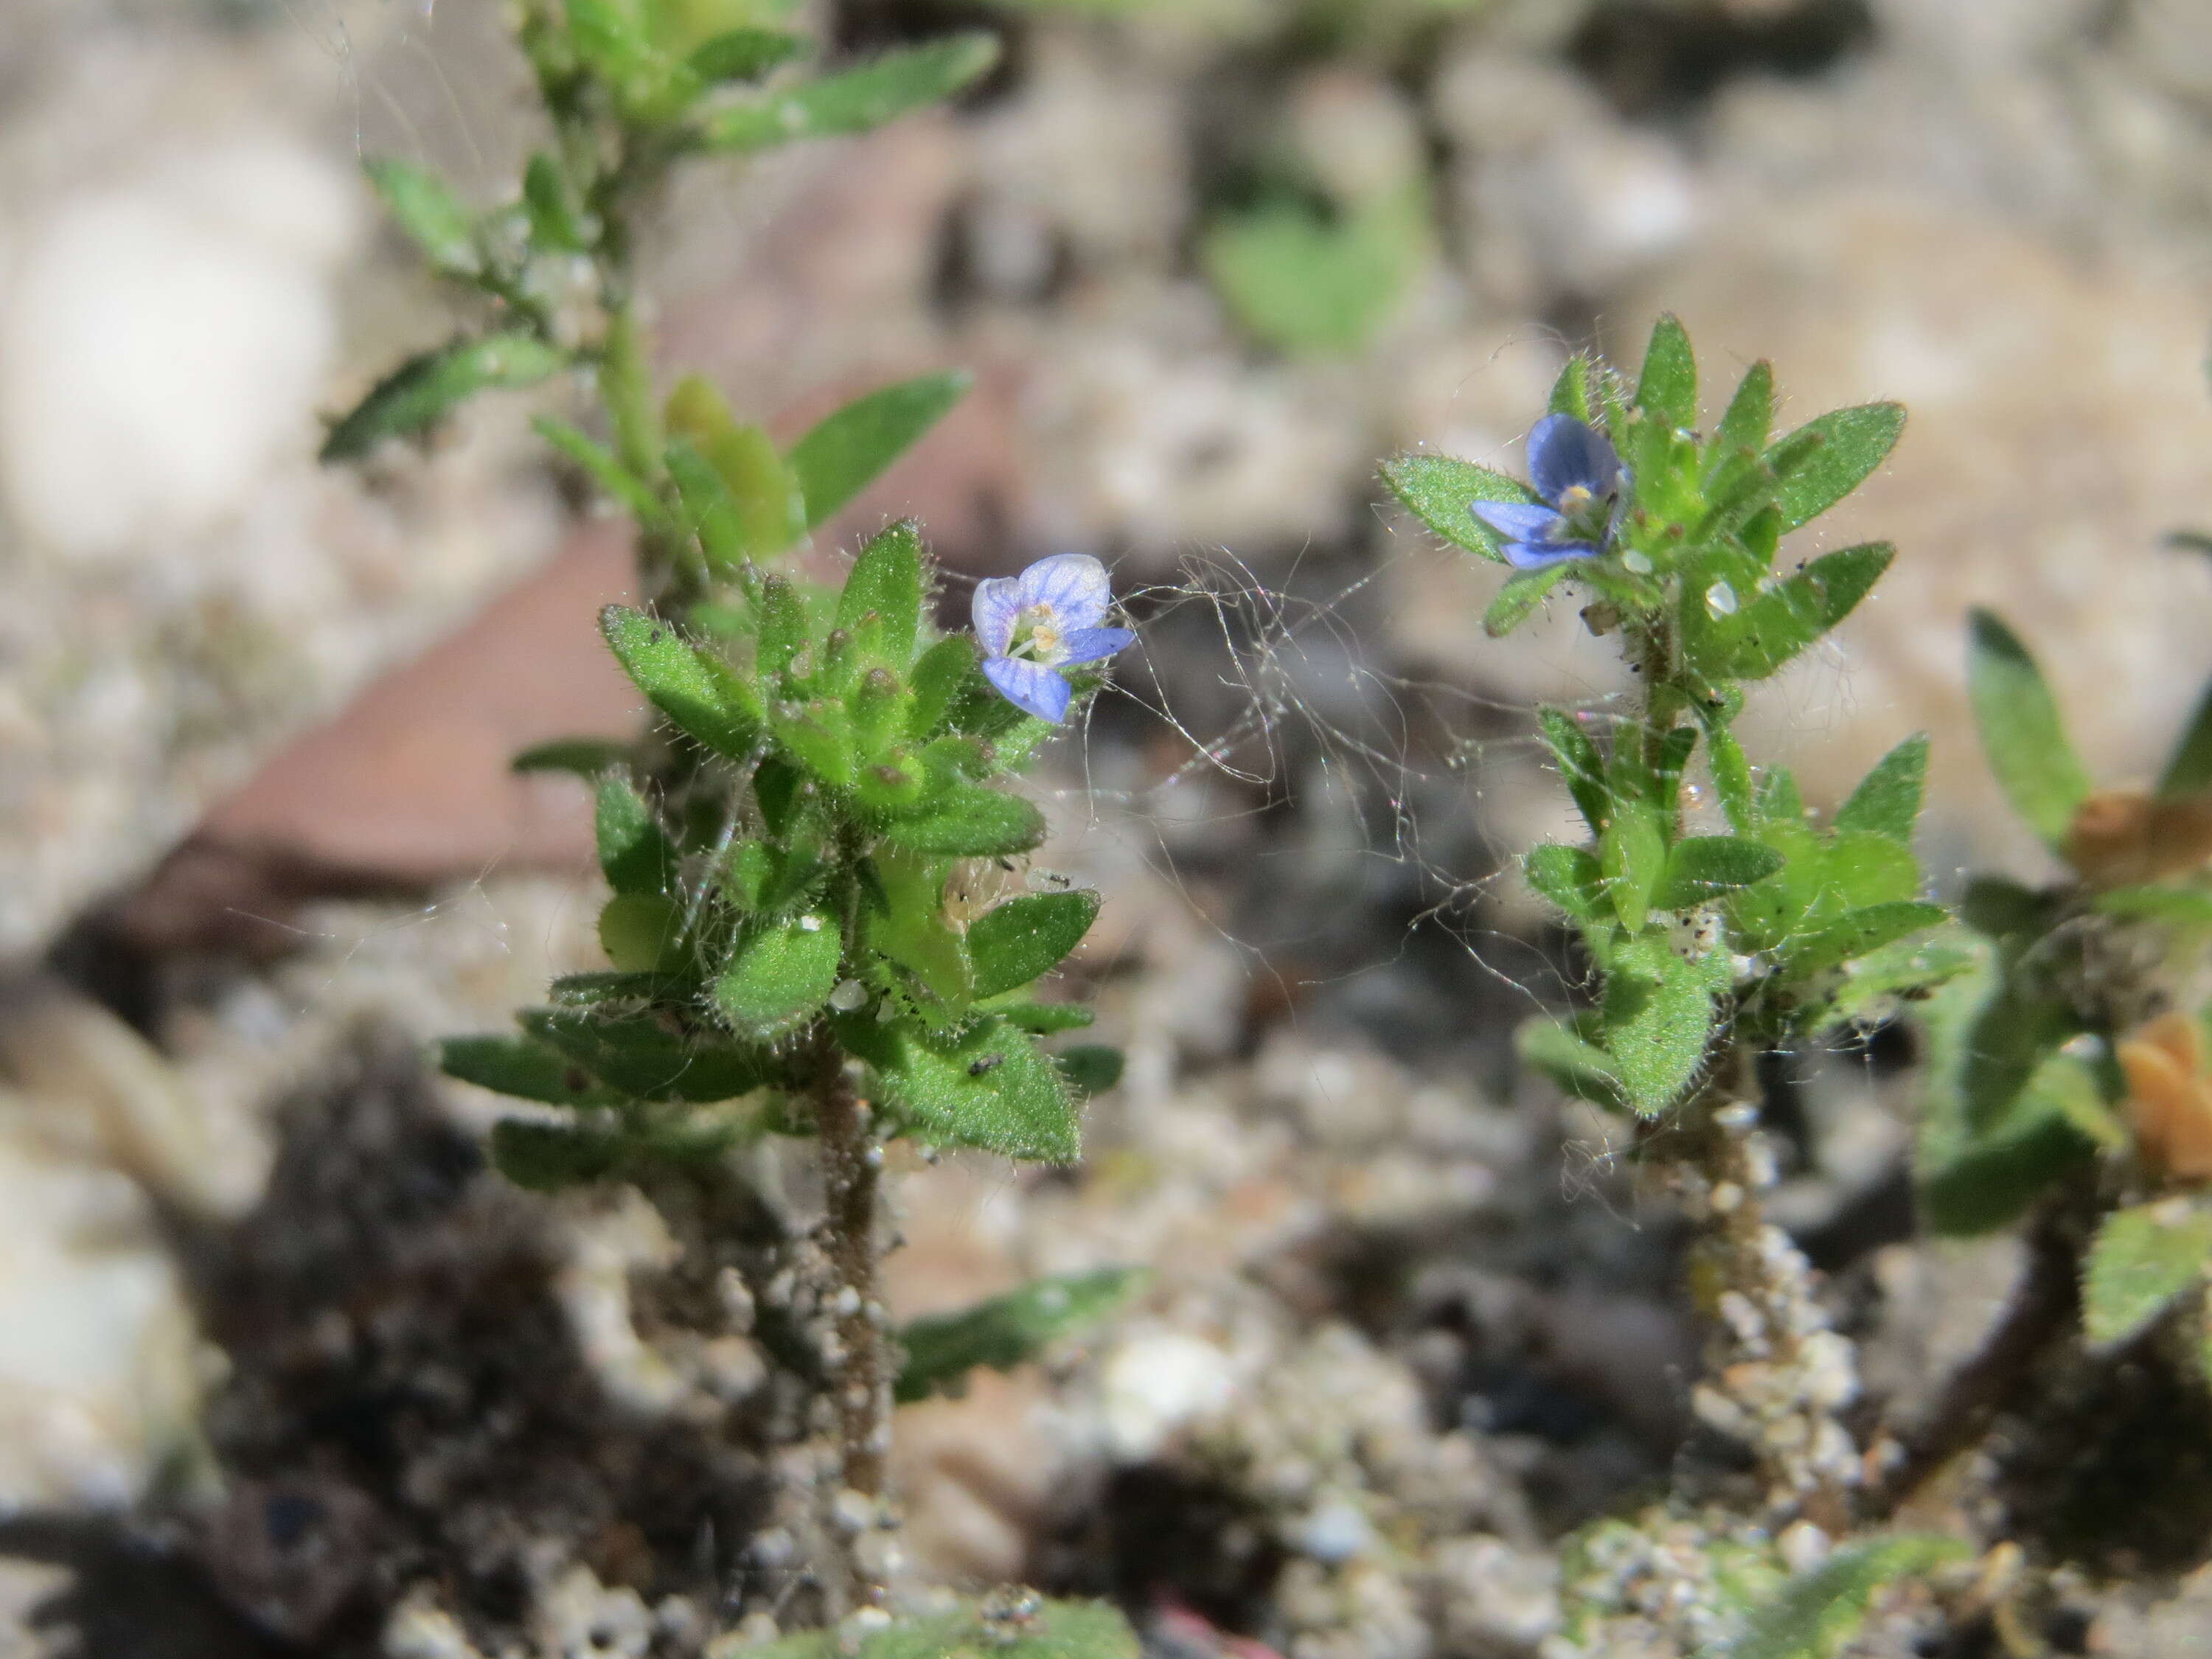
<point x="1033" y="625"/>
<point x="1579" y="474"/>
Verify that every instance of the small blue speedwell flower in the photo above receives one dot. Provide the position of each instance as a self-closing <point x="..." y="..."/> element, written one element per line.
<point x="1046" y="619"/>
<point x="1577" y="471"/>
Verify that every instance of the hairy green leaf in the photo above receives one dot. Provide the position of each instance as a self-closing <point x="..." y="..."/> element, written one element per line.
<point x="1580" y="764"/>
<point x="643" y="933"/>
<point x="989" y="1087"/>
<point x="585" y="756"/>
<point x="1887" y="800"/>
<point x="1658" y="1017"/>
<point x="1700" y="868"/>
<point x="967" y="820"/>
<point x="1090" y="1068"/>
<point x="430" y="385"/>
<point x="1568" y="876"/>
<point x="692" y="687"/>
<point x="1749" y="417"/>
<point x="1829" y="457"/>
<point x="1007" y="1330"/>
<point x="1014" y="942"/>
<point x="1669" y="389"/>
<point x="633" y="852"/>
<point x="782" y="973"/>
<point x="640" y="1058"/>
<point x="1437" y="490"/>
<point x="1523" y="592"/>
<point x="1774" y="627"/>
<point x="1571" y="392"/>
<point x="1632" y="854"/>
<point x="1565" y="1056"/>
<point x="2021" y="732"/>
<point x="881" y="604"/>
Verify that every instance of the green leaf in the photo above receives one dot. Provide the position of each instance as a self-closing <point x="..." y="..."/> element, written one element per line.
<point x="1773" y="628"/>
<point x="643" y="933"/>
<point x="634" y="851"/>
<point x="2021" y="732"/>
<point x="990" y="1087"/>
<point x="585" y="756"/>
<point x="595" y="990"/>
<point x="849" y="450"/>
<point x="556" y="224"/>
<point x="546" y="1158"/>
<point x="1523" y="592"/>
<point x="693" y="688"/>
<point x="782" y="973"/>
<point x="640" y="1059"/>
<point x="1887" y="800"/>
<point x="1013" y="943"/>
<point x="1090" y="1068"/>
<point x="1731" y="773"/>
<point x="1303" y="278"/>
<point x="1007" y="1330"/>
<point x="1668" y="388"/>
<point x="1818" y="1612"/>
<point x="1658" y="1017"/>
<point x="881" y="604"/>
<point x="2142" y="1260"/>
<point x="1749" y="418"/>
<point x="1437" y="490"/>
<point x="1905" y="970"/>
<point x="2191" y="767"/>
<point x="1829" y="457"/>
<point x="1857" y="933"/>
<point x="855" y="100"/>
<point x="429" y="386"/>
<point x="1571" y="391"/>
<point x="1632" y="854"/>
<point x="741" y="55"/>
<point x="1568" y="876"/>
<point x="603" y="470"/>
<point x="968" y="821"/>
<point x="435" y="219"/>
<point x="524" y="1067"/>
<point x="1045" y="1018"/>
<point x="1577" y="1065"/>
<point x="1700" y="868"/>
<point x="938" y="680"/>
<point x="1980" y="1162"/>
<point x="1580" y="764"/>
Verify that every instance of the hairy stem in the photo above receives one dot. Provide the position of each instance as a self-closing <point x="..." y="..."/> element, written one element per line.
<point x="1776" y="1374"/>
<point x="860" y="1352"/>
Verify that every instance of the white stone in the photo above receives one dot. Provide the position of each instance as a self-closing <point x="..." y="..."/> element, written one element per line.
<point x="1158" y="1382"/>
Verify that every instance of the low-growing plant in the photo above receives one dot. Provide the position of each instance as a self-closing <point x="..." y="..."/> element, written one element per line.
<point x="817" y="926"/>
<point x="1721" y="922"/>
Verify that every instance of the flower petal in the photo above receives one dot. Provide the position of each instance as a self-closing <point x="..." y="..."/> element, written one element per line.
<point x="1074" y="585"/>
<point x="1088" y="644"/>
<point x="1516" y="521"/>
<point x="1030" y="686"/>
<point x="998" y="602"/>
<point x="1563" y="452"/>
<point x="1539" y="556"/>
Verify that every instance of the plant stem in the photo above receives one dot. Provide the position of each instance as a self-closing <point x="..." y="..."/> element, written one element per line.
<point x="2041" y="1314"/>
<point x="860" y="1358"/>
<point x="1776" y="1374"/>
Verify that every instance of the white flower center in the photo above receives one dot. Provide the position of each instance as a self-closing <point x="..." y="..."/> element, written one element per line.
<point x="1038" y="636"/>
